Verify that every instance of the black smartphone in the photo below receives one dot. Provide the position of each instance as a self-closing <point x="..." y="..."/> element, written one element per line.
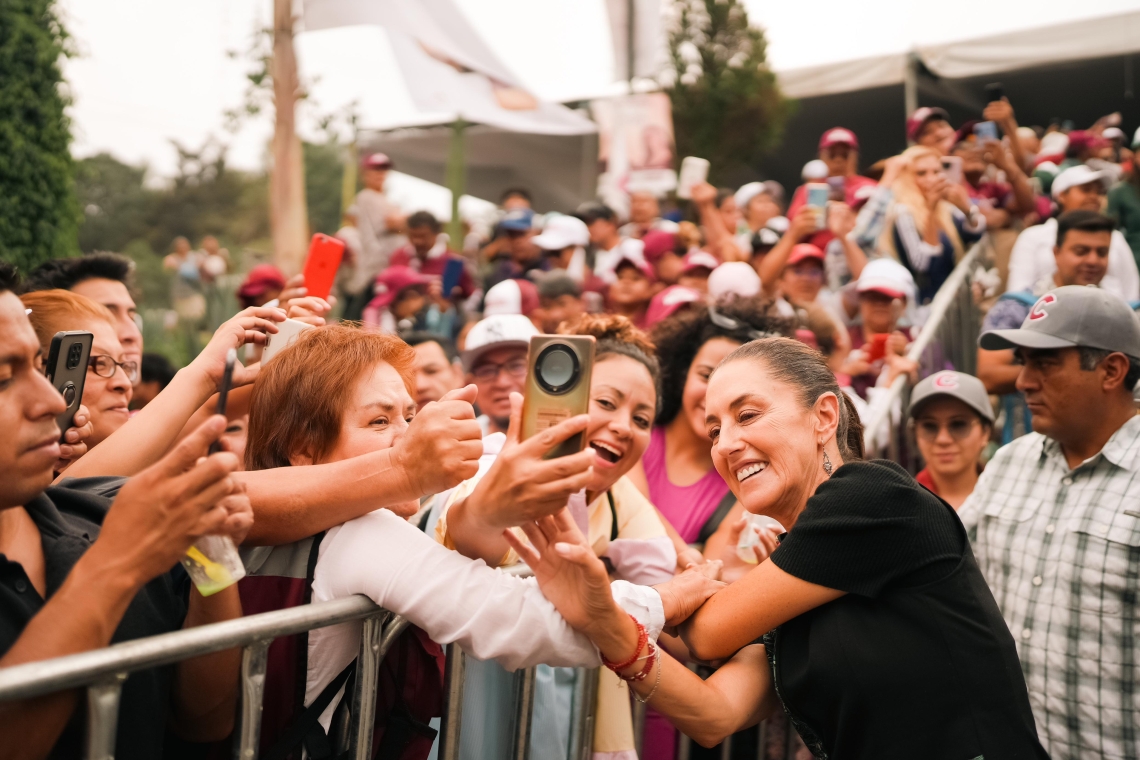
<point x="224" y="392"/>
<point x="452" y="271"/>
<point x="66" y="369"/>
<point x="994" y="92"/>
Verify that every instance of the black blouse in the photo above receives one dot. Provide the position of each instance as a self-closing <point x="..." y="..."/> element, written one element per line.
<point x="915" y="660"/>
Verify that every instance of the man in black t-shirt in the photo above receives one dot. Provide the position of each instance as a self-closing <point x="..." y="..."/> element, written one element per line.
<point x="78" y="572"/>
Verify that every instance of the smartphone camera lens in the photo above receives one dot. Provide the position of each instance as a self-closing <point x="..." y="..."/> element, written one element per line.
<point x="68" y="394"/>
<point x="73" y="355"/>
<point x="557" y="369"/>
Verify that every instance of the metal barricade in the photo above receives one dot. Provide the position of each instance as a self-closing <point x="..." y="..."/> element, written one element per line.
<point x="949" y="336"/>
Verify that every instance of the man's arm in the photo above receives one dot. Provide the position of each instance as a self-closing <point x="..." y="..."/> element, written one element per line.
<point x="997" y="371"/>
<point x="151" y="523"/>
<point x="440" y="450"/>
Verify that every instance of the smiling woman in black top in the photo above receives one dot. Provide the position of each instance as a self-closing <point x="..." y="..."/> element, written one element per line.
<point x="871" y="625"/>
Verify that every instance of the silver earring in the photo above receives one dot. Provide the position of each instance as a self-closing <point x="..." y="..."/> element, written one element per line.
<point x="826" y="464"/>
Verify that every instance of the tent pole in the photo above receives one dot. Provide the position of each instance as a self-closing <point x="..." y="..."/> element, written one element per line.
<point x="910" y="85"/>
<point x="631" y="36"/>
<point x="456" y="180"/>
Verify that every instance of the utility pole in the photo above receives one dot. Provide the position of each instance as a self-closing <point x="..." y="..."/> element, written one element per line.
<point x="288" y="214"/>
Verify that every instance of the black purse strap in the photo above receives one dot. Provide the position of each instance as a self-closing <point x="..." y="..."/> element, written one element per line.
<point x="716" y="518"/>
<point x="300" y="729"/>
<point x="613" y="514"/>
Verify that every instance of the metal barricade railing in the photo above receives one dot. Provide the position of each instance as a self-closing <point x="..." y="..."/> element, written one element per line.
<point x="947" y="337"/>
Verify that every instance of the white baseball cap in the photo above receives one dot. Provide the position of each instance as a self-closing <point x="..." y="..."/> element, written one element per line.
<point x="499" y="331"/>
<point x="888" y="277"/>
<point x="735" y="278"/>
<point x="511" y="297"/>
<point x="1075" y="176"/>
<point x="562" y="232"/>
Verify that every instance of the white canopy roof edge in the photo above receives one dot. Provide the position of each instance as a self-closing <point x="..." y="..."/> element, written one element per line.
<point x="1089" y="38"/>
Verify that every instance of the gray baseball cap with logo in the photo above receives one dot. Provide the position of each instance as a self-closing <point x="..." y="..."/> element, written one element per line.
<point x="966" y="388"/>
<point x="1070" y="316"/>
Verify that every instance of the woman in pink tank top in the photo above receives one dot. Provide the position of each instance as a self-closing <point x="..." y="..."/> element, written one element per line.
<point x="680" y="478"/>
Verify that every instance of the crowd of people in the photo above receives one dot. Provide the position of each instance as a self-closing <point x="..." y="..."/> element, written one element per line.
<point x="984" y="606"/>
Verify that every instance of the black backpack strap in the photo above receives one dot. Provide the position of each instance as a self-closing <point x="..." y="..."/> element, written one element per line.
<point x="301" y="729"/>
<point x="716" y="518"/>
<point x="613" y="514"/>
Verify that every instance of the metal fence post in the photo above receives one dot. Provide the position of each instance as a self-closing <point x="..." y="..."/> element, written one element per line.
<point x="582" y="721"/>
<point x="364" y="695"/>
<point x="524" y="712"/>
<point x="452" y="719"/>
<point x="639" y="710"/>
<point x="253" y="662"/>
<point x="103" y="717"/>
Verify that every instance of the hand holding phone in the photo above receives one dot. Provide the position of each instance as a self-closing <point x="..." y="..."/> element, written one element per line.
<point x="816" y="195"/>
<point x="321" y="265"/>
<point x="557" y="386"/>
<point x="66" y="370"/>
<point x="694" y="171"/>
<point x="223" y="393"/>
<point x="287" y="332"/>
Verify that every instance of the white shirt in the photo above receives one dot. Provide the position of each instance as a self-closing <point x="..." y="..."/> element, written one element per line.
<point x="489" y="613"/>
<point x="1032" y="260"/>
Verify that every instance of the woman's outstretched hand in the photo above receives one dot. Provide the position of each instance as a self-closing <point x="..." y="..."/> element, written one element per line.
<point x="569" y="574"/>
<point x="688" y="590"/>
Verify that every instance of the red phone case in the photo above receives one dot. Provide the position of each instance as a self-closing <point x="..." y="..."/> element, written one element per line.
<point x="878" y="348"/>
<point x="324" y="258"/>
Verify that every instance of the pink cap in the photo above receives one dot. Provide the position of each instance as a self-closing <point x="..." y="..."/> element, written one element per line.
<point x="639" y="264"/>
<point x="803" y="251"/>
<point x="657" y="243"/>
<point x="511" y="297"/>
<point x="376" y="161"/>
<point x="919" y="118"/>
<point x="1081" y="139"/>
<point x="698" y="259"/>
<point x="668" y="302"/>
<point x="392" y="281"/>
<point x="838" y="136"/>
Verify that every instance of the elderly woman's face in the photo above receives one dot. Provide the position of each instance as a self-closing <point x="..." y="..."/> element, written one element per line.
<point x="765" y="444"/>
<point x="378" y="412"/>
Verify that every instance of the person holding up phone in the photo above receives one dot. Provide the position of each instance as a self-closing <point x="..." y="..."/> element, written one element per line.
<point x="878" y="342"/>
<point x="86" y="571"/>
<point x="427" y="253"/>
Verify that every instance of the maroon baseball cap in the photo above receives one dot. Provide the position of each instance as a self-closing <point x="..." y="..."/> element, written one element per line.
<point x="639" y="264"/>
<point x="919" y="119"/>
<point x="668" y="302"/>
<point x="838" y="136"/>
<point x="376" y="161"/>
<point x="392" y="281"/>
<point x="260" y="279"/>
<point x="657" y="243"/>
<point x="803" y="251"/>
<point x="1082" y="139"/>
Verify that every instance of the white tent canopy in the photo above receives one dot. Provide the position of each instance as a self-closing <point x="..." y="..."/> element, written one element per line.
<point x="1099" y="37"/>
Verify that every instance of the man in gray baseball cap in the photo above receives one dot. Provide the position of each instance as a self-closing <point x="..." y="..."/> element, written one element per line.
<point x="1057" y="518"/>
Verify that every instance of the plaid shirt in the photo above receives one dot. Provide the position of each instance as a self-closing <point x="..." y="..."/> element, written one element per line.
<point x="1060" y="549"/>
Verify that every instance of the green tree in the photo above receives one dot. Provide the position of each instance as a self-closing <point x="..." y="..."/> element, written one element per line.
<point x="38" y="213"/>
<point x="324" y="172"/>
<point x="727" y="106"/>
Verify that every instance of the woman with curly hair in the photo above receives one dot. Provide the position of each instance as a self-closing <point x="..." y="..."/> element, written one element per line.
<point x="677" y="471"/>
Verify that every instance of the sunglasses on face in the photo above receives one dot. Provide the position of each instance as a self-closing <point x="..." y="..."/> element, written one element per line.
<point x="487" y="372"/>
<point x="104" y="366"/>
<point x="928" y="430"/>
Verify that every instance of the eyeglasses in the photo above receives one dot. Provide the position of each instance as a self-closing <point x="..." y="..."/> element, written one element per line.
<point x="104" y="366"/>
<point x="928" y="430"/>
<point x="488" y="372"/>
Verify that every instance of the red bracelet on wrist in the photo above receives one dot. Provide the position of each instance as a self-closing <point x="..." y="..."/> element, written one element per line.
<point x="649" y="660"/>
<point x="642" y="639"/>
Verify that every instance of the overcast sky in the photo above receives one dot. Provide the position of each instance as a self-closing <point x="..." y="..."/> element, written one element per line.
<point x="152" y="71"/>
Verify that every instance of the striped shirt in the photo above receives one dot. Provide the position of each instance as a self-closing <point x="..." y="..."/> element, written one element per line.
<point x="1060" y="549"/>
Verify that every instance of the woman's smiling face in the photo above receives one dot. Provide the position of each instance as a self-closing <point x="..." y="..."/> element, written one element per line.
<point x="764" y="443"/>
<point x="623" y="400"/>
<point x="696" y="381"/>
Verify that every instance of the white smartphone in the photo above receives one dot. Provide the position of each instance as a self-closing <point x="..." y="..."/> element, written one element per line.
<point x="287" y="332"/>
<point x="694" y="171"/>
<point x="952" y="166"/>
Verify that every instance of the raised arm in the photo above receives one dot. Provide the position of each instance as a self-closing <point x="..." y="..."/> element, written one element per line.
<point x="156" y="427"/>
<point x="772" y="266"/>
<point x="440" y="450"/>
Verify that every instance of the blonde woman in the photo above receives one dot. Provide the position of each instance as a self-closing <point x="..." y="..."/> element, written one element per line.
<point x="920" y="218"/>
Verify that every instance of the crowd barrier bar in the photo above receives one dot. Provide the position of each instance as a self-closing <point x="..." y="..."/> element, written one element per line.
<point x="961" y="345"/>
